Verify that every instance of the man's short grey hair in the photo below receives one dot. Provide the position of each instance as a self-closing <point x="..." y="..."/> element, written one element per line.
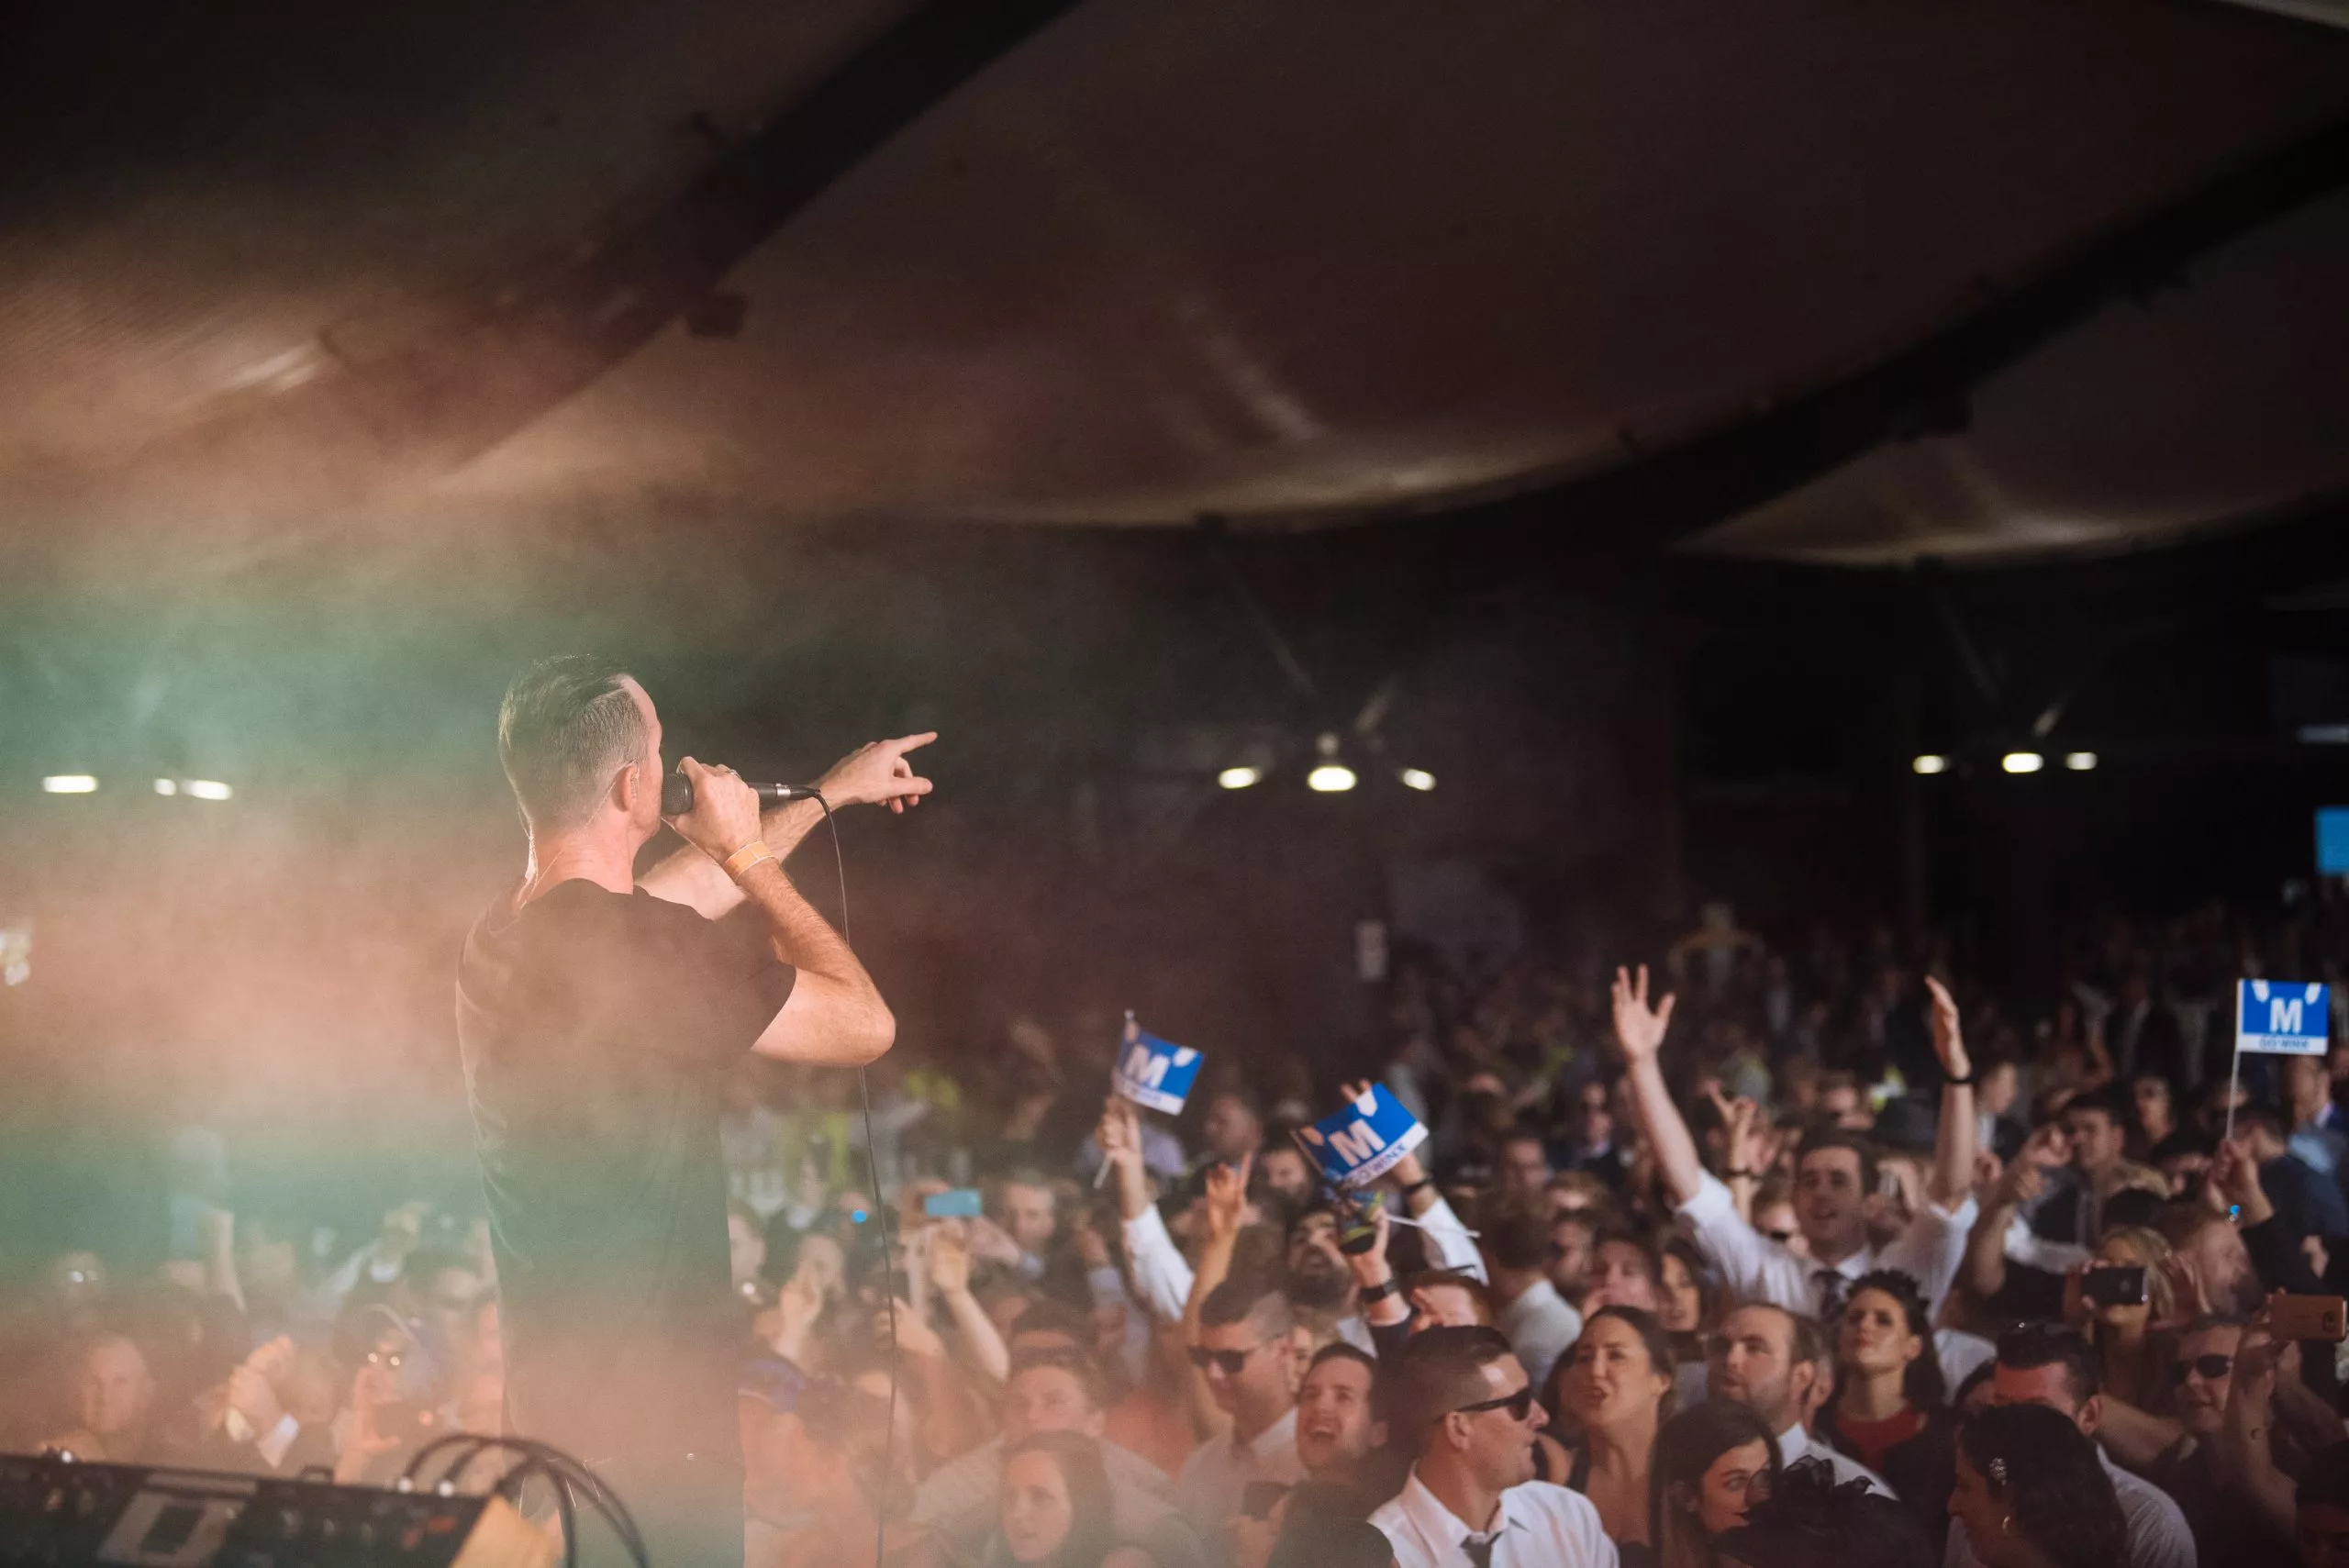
<point x="566" y="725"/>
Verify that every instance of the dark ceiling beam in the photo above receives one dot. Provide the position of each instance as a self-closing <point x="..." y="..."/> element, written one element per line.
<point x="452" y="395"/>
<point x="1653" y="499"/>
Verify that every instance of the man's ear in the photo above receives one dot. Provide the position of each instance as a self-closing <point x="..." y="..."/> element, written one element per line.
<point x="1095" y="1424"/>
<point x="625" y="785"/>
<point x="1378" y="1434"/>
<point x="1800" y="1380"/>
<point x="2091" y="1415"/>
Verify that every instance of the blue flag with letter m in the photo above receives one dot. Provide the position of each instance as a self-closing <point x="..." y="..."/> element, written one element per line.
<point x="1154" y="1073"/>
<point x="2274" y="1017"/>
<point x="1363" y="1142"/>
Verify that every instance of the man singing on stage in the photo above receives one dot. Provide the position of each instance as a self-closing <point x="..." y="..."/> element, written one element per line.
<point x="598" y="1016"/>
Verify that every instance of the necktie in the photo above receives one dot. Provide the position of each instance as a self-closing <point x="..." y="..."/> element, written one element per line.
<point x="1479" y="1548"/>
<point x="1832" y="1286"/>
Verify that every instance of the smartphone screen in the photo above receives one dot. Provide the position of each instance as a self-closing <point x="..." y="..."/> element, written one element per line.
<point x="2114" y="1285"/>
<point x="960" y="1203"/>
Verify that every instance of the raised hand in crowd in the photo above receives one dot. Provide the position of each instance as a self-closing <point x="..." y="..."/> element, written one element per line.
<point x="1225" y="1201"/>
<point x="1638" y="1028"/>
<point x="1119" y="1136"/>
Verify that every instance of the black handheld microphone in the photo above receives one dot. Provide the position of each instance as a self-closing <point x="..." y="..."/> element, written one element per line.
<point x="677" y="794"/>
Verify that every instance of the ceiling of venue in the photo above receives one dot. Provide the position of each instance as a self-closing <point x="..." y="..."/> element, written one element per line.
<point x="1137" y="260"/>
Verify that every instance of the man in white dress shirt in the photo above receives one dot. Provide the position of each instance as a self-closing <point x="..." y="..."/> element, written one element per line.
<point x="1772" y="1361"/>
<point x="2045" y="1364"/>
<point x="1247" y="1351"/>
<point x="1835" y="1180"/>
<point x="1471" y="1500"/>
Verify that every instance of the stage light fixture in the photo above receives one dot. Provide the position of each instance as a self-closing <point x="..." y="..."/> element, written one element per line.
<point x="1416" y="778"/>
<point x="2023" y="762"/>
<point x="207" y="789"/>
<point x="2080" y="761"/>
<point x="1330" y="778"/>
<point x="165" y="786"/>
<point x="1240" y="778"/>
<point x="1929" y="763"/>
<point x="70" y="783"/>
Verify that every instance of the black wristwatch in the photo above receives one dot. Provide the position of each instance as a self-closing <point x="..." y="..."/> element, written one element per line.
<point x="1422" y="1185"/>
<point x="1390" y="1286"/>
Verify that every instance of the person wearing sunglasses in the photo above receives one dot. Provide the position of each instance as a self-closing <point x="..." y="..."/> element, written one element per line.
<point x="1466" y="1412"/>
<point x="1246" y="1352"/>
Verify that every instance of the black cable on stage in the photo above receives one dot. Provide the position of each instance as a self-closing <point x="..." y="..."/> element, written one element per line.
<point x="559" y="1468"/>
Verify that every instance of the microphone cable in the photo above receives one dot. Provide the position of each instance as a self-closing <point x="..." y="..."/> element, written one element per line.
<point x="880" y="1215"/>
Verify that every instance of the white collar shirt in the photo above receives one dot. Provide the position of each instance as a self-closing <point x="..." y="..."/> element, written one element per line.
<point x="1539" y="1526"/>
<point x="1218" y="1472"/>
<point x="1758" y="1268"/>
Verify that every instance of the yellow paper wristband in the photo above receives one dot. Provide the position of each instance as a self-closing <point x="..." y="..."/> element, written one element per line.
<point x="746" y="857"/>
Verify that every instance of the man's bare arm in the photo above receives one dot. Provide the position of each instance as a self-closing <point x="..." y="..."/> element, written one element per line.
<point x="834" y="1015"/>
<point x="1639" y="1030"/>
<point x="1958" y="1134"/>
<point x="693" y="879"/>
<point x="871" y="775"/>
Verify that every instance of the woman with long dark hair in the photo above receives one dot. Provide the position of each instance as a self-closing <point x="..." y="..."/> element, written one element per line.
<point x="1712" y="1462"/>
<point x="1891" y="1410"/>
<point x="1692" y="1301"/>
<point x="1056" y="1507"/>
<point x="1615" y="1385"/>
<point x="2032" y="1493"/>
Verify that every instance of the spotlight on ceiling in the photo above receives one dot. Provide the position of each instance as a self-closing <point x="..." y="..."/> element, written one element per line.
<point x="70" y="783"/>
<point x="2079" y="762"/>
<point x="165" y="786"/>
<point x="1330" y="778"/>
<point x="1929" y="763"/>
<point x="207" y="789"/>
<point x="2023" y="762"/>
<point x="1416" y="778"/>
<point x="1240" y="778"/>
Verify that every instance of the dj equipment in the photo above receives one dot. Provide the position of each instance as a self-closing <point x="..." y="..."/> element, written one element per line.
<point x="57" y="1512"/>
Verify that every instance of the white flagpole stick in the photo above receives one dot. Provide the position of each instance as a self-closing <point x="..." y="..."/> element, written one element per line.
<point x="2235" y="1080"/>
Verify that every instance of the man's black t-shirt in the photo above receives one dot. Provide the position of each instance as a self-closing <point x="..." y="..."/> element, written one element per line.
<point x="597" y="1028"/>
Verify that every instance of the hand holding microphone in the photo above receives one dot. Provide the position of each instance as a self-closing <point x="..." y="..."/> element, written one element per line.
<point x="717" y="812"/>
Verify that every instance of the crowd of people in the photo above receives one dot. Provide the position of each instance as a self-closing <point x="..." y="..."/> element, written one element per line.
<point x="1774" y="1258"/>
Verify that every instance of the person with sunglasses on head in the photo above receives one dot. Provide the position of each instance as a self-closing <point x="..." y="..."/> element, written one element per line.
<point x="1466" y="1413"/>
<point x="1246" y="1352"/>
